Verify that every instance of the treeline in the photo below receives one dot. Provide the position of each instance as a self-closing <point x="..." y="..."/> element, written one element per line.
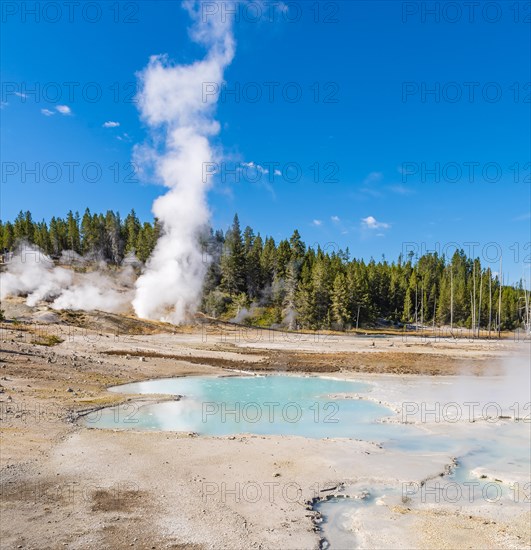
<point x="305" y="287"/>
<point x="258" y="280"/>
<point x="101" y="236"/>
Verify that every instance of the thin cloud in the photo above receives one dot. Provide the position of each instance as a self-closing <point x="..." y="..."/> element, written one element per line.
<point x="47" y="112"/>
<point x="373" y="177"/>
<point x="256" y="167"/>
<point x="369" y="184"/>
<point x="317" y="223"/>
<point x="335" y="219"/>
<point x="111" y="124"/>
<point x="255" y="176"/>
<point x="370" y="222"/>
<point x="64" y="110"/>
<point x="400" y="189"/>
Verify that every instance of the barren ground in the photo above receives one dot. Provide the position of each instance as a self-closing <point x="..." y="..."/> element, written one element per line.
<point x="64" y="485"/>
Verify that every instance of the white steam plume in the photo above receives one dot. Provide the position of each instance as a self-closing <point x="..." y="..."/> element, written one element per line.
<point x="172" y="104"/>
<point x="31" y="273"/>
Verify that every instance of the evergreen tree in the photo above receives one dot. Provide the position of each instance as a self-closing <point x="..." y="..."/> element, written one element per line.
<point x="321" y="290"/>
<point x="57" y="236"/>
<point x="408" y="306"/>
<point x="23" y="227"/>
<point x="233" y="276"/>
<point x="283" y="257"/>
<point x="268" y="261"/>
<point x="297" y="248"/>
<point x="89" y="234"/>
<point x="145" y="242"/>
<point x="305" y="301"/>
<point x="296" y="285"/>
<point x="131" y="231"/>
<point x="340" y="302"/>
<point x="212" y="249"/>
<point x="73" y="235"/>
<point x="289" y="298"/>
<point x="8" y="236"/>
<point x="255" y="279"/>
<point x="42" y="237"/>
<point x="113" y="237"/>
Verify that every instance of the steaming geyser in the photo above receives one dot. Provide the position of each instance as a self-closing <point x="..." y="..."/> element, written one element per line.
<point x="172" y="104"/>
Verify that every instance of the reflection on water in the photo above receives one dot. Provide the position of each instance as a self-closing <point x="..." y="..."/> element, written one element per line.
<point x="493" y="454"/>
<point x="265" y="405"/>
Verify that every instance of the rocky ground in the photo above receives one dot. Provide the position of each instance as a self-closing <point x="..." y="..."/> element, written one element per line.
<point x="64" y="485"/>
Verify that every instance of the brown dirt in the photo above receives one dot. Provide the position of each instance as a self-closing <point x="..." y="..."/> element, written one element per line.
<point x="43" y="388"/>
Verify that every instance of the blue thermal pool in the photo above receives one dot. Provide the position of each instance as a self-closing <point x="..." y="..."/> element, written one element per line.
<point x="266" y="405"/>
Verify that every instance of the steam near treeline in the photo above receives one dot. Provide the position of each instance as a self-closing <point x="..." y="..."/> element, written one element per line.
<point x="257" y="280"/>
<point x="105" y="237"/>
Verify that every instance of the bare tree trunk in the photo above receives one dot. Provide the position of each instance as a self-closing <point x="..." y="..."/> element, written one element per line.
<point x="434" y="313"/>
<point x="527" y="318"/>
<point x="422" y="306"/>
<point x="479" y="305"/>
<point x="500" y="300"/>
<point x="451" y="297"/>
<point x="473" y="327"/>
<point x="490" y="300"/>
<point x="526" y="307"/>
<point x="474" y="300"/>
<point x="416" y="308"/>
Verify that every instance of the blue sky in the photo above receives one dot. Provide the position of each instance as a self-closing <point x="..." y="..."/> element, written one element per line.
<point x="383" y="165"/>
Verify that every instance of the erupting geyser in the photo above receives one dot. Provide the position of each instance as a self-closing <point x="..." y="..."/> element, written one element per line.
<point x="172" y="104"/>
